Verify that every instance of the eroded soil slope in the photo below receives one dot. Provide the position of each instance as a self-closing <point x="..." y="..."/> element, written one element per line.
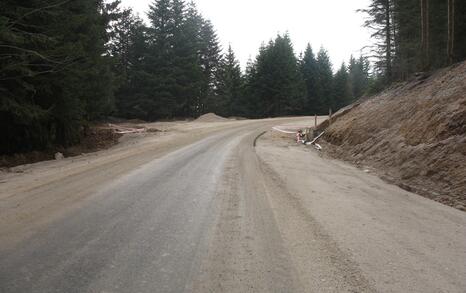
<point x="413" y="134"/>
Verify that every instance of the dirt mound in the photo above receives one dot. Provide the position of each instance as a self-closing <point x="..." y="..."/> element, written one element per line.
<point x="210" y="117"/>
<point x="413" y="134"/>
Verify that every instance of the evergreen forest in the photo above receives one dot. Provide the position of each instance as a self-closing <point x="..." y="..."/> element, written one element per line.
<point x="66" y="64"/>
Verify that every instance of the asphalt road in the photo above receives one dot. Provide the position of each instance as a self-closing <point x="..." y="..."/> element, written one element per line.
<point x="206" y="217"/>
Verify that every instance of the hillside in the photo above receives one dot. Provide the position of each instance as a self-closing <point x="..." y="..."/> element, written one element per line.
<point x="413" y="134"/>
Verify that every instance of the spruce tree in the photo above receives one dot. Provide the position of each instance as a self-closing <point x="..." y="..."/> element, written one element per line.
<point x="192" y="30"/>
<point x="341" y="88"/>
<point x="159" y="61"/>
<point x="128" y="47"/>
<point x="186" y="66"/>
<point x="324" y="82"/>
<point x="407" y="19"/>
<point x="210" y="61"/>
<point x="276" y="84"/>
<point x="252" y="104"/>
<point x="54" y="74"/>
<point x="230" y="86"/>
<point x="380" y="20"/>
<point x="309" y="71"/>
<point x="358" y="76"/>
<point x="412" y="35"/>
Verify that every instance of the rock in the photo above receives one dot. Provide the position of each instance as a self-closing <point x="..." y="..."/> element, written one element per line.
<point x="153" y="130"/>
<point x="59" y="156"/>
<point x="460" y="207"/>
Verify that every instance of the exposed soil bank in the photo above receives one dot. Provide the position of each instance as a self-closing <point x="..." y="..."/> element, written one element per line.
<point x="413" y="134"/>
<point x="97" y="138"/>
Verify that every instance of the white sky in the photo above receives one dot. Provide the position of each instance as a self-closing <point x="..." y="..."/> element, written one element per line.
<point x="245" y="24"/>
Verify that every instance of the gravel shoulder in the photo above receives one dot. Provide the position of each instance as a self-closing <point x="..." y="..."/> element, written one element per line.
<point x="370" y="234"/>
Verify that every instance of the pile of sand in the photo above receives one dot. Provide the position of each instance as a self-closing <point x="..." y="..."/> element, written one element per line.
<point x="413" y="134"/>
<point x="210" y="117"/>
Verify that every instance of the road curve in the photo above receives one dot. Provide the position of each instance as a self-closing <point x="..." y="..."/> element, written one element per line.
<point x="148" y="231"/>
<point x="214" y="216"/>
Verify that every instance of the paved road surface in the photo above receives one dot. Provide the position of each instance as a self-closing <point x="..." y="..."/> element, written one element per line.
<point x="219" y="215"/>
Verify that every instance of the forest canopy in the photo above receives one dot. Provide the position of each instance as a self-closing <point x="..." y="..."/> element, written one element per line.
<point x="65" y="64"/>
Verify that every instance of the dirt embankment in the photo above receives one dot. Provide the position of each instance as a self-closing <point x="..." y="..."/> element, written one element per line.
<point x="413" y="134"/>
<point x="106" y="135"/>
<point x="96" y="138"/>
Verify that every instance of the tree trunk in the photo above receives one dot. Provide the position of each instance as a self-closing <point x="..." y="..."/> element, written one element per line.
<point x="388" y="40"/>
<point x="451" y="31"/>
<point x="425" y="34"/>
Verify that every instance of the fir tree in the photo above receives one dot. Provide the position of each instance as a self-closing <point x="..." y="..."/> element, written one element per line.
<point x="276" y="84"/>
<point x="230" y="86"/>
<point x="309" y="71"/>
<point x="324" y="82"/>
<point x="210" y="61"/>
<point x="341" y="88"/>
<point x="159" y="61"/>
<point x="380" y="20"/>
<point x="358" y="76"/>
<point x="186" y="66"/>
<point x="54" y="75"/>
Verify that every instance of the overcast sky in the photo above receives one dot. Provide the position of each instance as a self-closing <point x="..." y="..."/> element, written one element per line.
<point x="245" y="24"/>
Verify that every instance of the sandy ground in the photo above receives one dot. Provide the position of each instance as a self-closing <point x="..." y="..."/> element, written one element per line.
<point x="365" y="234"/>
<point x="63" y="184"/>
<point x="199" y="208"/>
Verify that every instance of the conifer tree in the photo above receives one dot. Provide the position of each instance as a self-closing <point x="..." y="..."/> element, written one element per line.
<point x="309" y="71"/>
<point x="341" y="88"/>
<point x="54" y="76"/>
<point x="210" y="61"/>
<point x="159" y="61"/>
<point x="252" y="104"/>
<point x="416" y="35"/>
<point x="324" y="82"/>
<point x="230" y="86"/>
<point x="380" y="19"/>
<point x="277" y="85"/>
<point x="358" y="76"/>
<point x="128" y="47"/>
<point x="192" y="30"/>
<point x="186" y="65"/>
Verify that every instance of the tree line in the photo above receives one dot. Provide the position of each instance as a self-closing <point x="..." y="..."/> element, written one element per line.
<point x="415" y="36"/>
<point x="279" y="83"/>
<point x="175" y="67"/>
<point x="65" y="64"/>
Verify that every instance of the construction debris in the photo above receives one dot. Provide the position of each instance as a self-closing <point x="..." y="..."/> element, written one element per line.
<point x="314" y="142"/>
<point x="120" y="129"/>
<point x="303" y="135"/>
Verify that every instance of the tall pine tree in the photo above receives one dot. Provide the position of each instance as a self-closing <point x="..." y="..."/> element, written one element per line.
<point x="324" y="82"/>
<point x="309" y="71"/>
<point x="341" y="88"/>
<point x="231" y="86"/>
<point x="210" y="61"/>
<point x="276" y="84"/>
<point x="54" y="76"/>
